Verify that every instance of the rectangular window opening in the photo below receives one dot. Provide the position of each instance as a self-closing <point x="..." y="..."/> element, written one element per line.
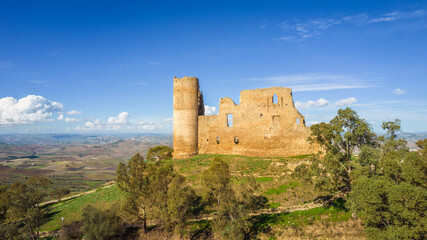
<point x="229" y="120"/>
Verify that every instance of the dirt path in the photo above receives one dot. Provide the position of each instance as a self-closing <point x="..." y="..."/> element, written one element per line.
<point x="110" y="184"/>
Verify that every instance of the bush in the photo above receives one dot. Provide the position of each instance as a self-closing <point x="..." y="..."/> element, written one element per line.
<point x="101" y="224"/>
<point x="159" y="153"/>
<point x="71" y="231"/>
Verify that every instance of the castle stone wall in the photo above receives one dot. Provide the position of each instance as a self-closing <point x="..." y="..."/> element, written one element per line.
<point x="265" y="123"/>
<point x="260" y="126"/>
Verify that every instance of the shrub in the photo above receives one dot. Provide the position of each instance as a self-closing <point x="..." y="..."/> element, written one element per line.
<point x="101" y="224"/>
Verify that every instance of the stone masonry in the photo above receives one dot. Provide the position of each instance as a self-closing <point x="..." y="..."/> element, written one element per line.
<point x="265" y="123"/>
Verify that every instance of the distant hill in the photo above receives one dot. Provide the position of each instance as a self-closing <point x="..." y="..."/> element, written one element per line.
<point x="31" y="139"/>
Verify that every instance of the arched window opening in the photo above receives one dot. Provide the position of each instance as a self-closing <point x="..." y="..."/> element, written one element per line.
<point x="236" y="140"/>
<point x="261" y="115"/>
<point x="217" y="140"/>
<point x="297" y="120"/>
<point x="275" y="99"/>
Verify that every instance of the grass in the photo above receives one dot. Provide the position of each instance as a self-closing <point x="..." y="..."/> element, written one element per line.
<point x="264" y="179"/>
<point x="71" y="210"/>
<point x="268" y="172"/>
<point x="282" y="189"/>
<point x="335" y="213"/>
<point x="275" y="205"/>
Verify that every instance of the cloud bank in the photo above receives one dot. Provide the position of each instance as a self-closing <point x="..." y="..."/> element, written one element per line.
<point x="302" y="30"/>
<point x="74" y="112"/>
<point x="319" y="103"/>
<point x="346" y="102"/>
<point x="114" y="123"/>
<point x="314" y="82"/>
<point x="30" y="109"/>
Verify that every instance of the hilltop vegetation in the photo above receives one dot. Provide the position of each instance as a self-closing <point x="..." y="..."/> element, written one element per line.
<point x="378" y="194"/>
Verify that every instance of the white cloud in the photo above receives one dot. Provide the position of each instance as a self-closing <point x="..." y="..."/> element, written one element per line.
<point x="149" y="126"/>
<point x="319" y="103"/>
<point x="210" y="110"/>
<point x="91" y="126"/>
<point x="169" y="120"/>
<point x="346" y="102"/>
<point x="313" y="27"/>
<point x="30" y="109"/>
<point x="398" y="91"/>
<point x="74" y="112"/>
<point x="397" y="15"/>
<point x="114" y="123"/>
<point x="61" y="117"/>
<point x="120" y="119"/>
<point x="312" y="123"/>
<point x="314" y="82"/>
<point x="72" y="120"/>
<point x="287" y="38"/>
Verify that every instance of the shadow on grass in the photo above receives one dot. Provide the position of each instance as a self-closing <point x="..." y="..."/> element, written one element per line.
<point x="339" y="204"/>
<point x="201" y="230"/>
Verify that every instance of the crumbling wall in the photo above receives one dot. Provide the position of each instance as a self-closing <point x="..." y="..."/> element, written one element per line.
<point x="265" y="123"/>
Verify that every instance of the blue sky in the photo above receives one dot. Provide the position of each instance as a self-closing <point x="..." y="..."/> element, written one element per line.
<point x="107" y="66"/>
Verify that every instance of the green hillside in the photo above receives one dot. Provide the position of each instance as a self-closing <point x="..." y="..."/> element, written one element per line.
<point x="291" y="203"/>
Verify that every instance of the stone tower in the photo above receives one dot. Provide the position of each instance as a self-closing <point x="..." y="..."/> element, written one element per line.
<point x="187" y="106"/>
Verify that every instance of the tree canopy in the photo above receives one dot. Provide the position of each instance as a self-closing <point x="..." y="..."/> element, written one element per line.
<point x="340" y="137"/>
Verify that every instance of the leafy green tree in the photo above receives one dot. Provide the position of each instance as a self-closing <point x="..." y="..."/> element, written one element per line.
<point x="24" y="204"/>
<point x="101" y="224"/>
<point x="182" y="203"/>
<point x="159" y="153"/>
<point x="423" y="145"/>
<point x="231" y="207"/>
<point x="3" y="203"/>
<point x="340" y="137"/>
<point x="390" y="143"/>
<point x="134" y="179"/>
<point x="392" y="200"/>
<point x="59" y="193"/>
<point x="154" y="191"/>
<point x="71" y="231"/>
<point x="394" y="209"/>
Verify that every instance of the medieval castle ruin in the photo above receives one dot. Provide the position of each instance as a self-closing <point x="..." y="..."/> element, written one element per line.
<point x="265" y="123"/>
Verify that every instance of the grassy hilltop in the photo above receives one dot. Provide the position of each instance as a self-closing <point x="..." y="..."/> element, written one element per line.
<point x="292" y="209"/>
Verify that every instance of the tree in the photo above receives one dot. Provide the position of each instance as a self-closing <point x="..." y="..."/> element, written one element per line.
<point x="134" y="179"/>
<point x="423" y="145"/>
<point x="101" y="224"/>
<point x="159" y="153"/>
<point x="59" y="193"/>
<point x="182" y="203"/>
<point x="390" y="208"/>
<point x="231" y="207"/>
<point x="392" y="200"/>
<point x="3" y="203"/>
<point x="24" y="204"/>
<point x="340" y="137"/>
<point x="154" y="191"/>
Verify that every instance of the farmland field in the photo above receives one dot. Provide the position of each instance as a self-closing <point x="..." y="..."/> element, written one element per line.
<point x="79" y="162"/>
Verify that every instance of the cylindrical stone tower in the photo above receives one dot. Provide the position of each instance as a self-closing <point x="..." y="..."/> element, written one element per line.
<point x="185" y="116"/>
